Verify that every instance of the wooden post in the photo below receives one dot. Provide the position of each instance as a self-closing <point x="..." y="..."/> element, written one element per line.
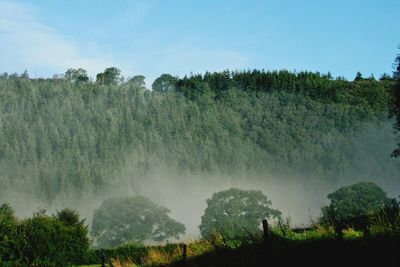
<point x="265" y="230"/>
<point x="184" y="253"/>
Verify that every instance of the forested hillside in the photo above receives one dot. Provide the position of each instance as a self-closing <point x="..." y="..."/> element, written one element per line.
<point x="63" y="138"/>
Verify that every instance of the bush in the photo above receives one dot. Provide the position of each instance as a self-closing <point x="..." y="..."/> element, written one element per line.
<point x="8" y="233"/>
<point x="54" y="241"/>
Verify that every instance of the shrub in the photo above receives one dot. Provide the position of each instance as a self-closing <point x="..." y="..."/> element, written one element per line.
<point x="8" y="233"/>
<point x="52" y="241"/>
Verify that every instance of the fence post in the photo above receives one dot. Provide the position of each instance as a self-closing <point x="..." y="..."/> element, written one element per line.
<point x="184" y="253"/>
<point x="265" y="230"/>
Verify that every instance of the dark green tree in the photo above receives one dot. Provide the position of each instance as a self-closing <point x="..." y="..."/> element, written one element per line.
<point x="59" y="240"/>
<point x="78" y="232"/>
<point x="385" y="77"/>
<point x="109" y="76"/>
<point x="236" y="212"/>
<point x="133" y="219"/>
<point x="69" y="217"/>
<point x="358" y="77"/>
<point x="165" y="83"/>
<point x="76" y="75"/>
<point x="351" y="206"/>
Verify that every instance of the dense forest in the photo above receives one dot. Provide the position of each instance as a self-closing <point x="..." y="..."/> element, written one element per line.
<point x="69" y="138"/>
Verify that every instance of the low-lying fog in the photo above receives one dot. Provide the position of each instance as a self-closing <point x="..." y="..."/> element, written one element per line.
<point x="297" y="196"/>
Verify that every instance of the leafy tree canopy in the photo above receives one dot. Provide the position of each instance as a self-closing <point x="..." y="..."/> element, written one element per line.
<point x="69" y="217"/>
<point x="59" y="240"/>
<point x="133" y="219"/>
<point x="76" y="75"/>
<point x="109" y="76"/>
<point x="165" y="83"/>
<point x="350" y="203"/>
<point x="234" y="212"/>
<point x="138" y="81"/>
<point x="358" y="77"/>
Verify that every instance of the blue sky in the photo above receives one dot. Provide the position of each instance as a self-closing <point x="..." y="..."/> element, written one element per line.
<point x="179" y="37"/>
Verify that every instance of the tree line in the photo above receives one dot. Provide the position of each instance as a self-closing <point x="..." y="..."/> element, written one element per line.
<point x="69" y="137"/>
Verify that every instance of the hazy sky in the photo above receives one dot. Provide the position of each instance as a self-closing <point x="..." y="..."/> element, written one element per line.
<point x="178" y="37"/>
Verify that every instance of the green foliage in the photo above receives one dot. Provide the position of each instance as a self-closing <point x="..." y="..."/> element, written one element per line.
<point x="314" y="85"/>
<point x="289" y="248"/>
<point x="66" y="140"/>
<point x="8" y="233"/>
<point x="236" y="212"/>
<point x="132" y="219"/>
<point x="69" y="217"/>
<point x="386" y="222"/>
<point x="42" y="240"/>
<point x="315" y="233"/>
<point x="351" y="206"/>
<point x="138" y="81"/>
<point x="358" y="77"/>
<point x="76" y="75"/>
<point x="78" y="241"/>
<point x="164" y="83"/>
<point x="54" y="241"/>
<point x="109" y="76"/>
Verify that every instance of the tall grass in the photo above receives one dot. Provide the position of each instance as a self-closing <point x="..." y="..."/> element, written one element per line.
<point x="386" y="222"/>
<point x="123" y="263"/>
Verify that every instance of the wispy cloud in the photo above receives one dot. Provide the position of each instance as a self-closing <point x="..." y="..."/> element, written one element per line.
<point x="27" y="43"/>
<point x="130" y="41"/>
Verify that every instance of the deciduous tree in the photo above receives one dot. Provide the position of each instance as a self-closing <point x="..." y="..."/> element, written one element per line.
<point x="133" y="219"/>
<point x="235" y="212"/>
<point x="109" y="76"/>
<point x="76" y="75"/>
<point x="351" y="205"/>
